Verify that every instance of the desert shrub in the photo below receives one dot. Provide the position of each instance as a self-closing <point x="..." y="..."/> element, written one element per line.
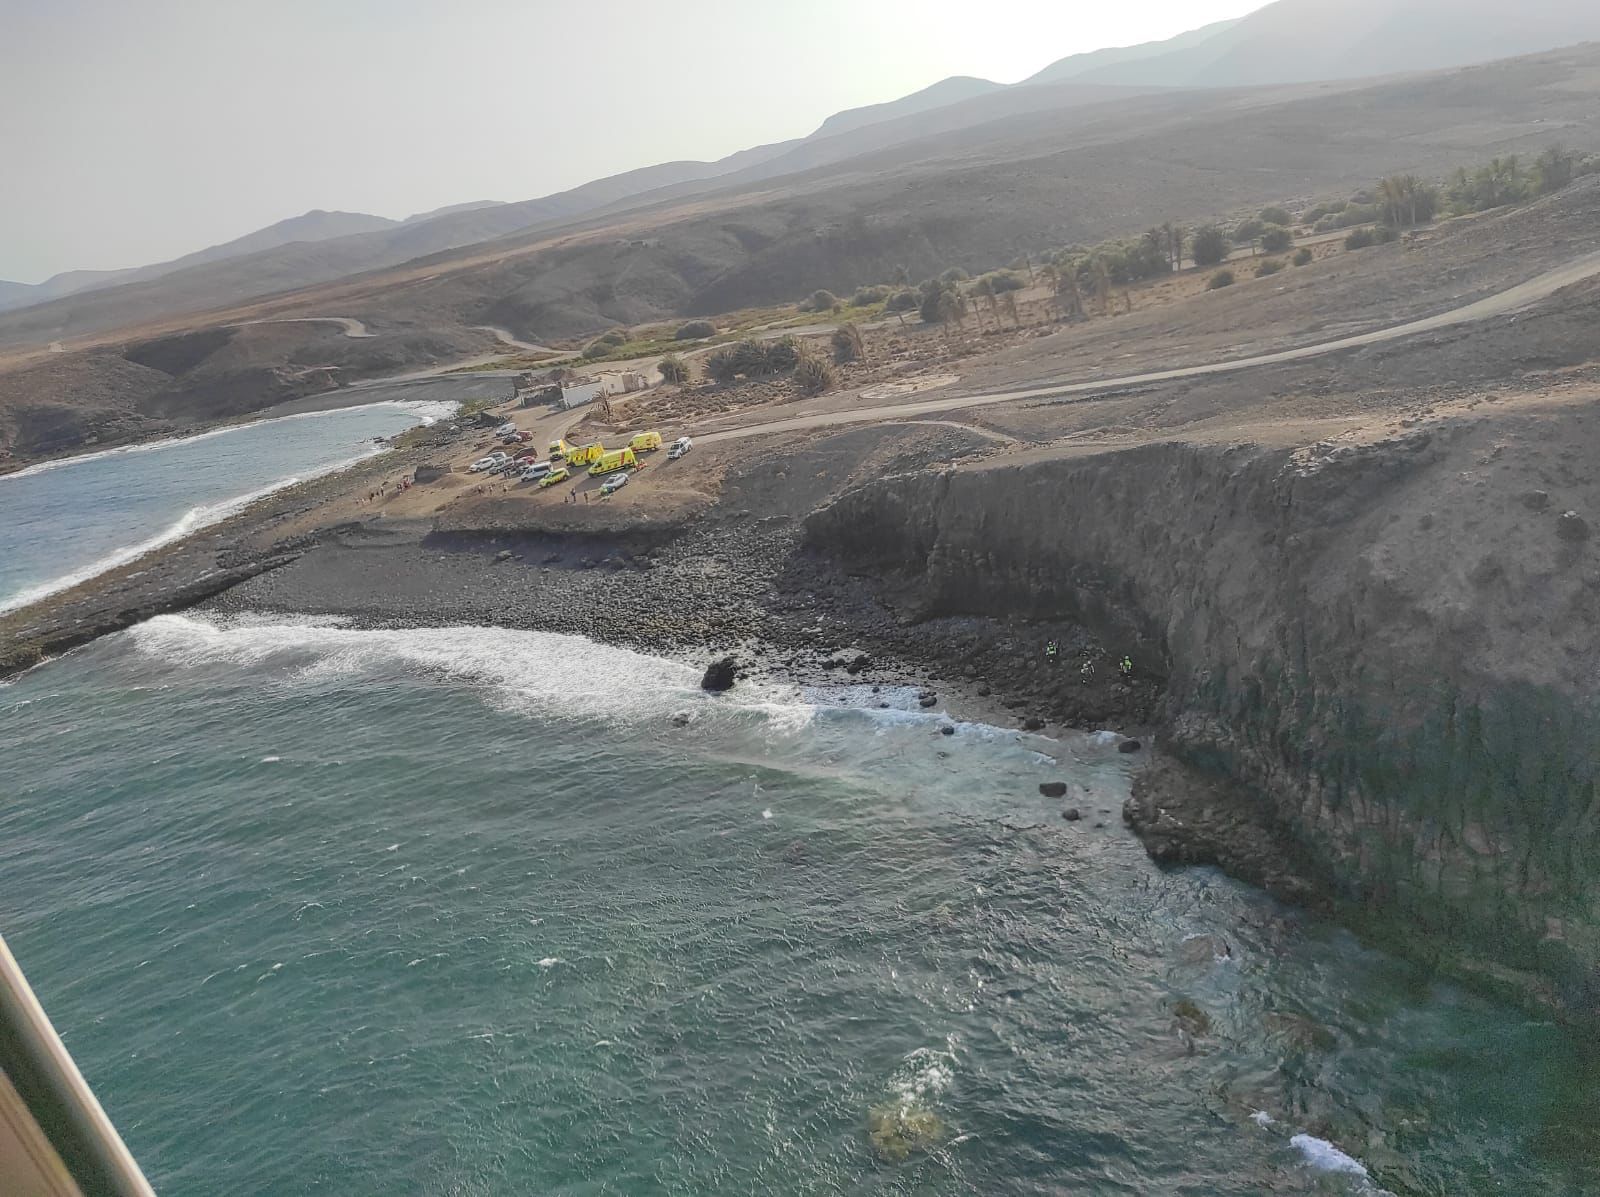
<point x="1219" y="280"/>
<point x="1554" y="169"/>
<point x="1303" y="256"/>
<point x="1276" y="215"/>
<point x="954" y="275"/>
<point x="903" y="301"/>
<point x="781" y="356"/>
<point x="722" y="366"/>
<point x="674" y="369"/>
<point x="867" y="296"/>
<point x="1210" y="245"/>
<point x="695" y="330"/>
<point x="614" y="338"/>
<point x="1361" y="238"/>
<point x="1348" y="217"/>
<point x="813" y="375"/>
<point x="1276" y="239"/>
<point x="1003" y="281"/>
<point x="1247" y="231"/>
<point x="1317" y="212"/>
<point x="942" y="302"/>
<point x="822" y="301"/>
<point x="848" y="345"/>
<point x="1268" y="266"/>
<point x="596" y="349"/>
<point x="1383" y="234"/>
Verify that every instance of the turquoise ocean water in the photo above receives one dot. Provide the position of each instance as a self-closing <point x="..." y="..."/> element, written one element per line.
<point x="67" y="520"/>
<point x="461" y="911"/>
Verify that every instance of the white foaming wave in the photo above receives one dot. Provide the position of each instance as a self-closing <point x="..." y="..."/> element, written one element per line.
<point x="427" y="411"/>
<point x="190" y="521"/>
<point x="925" y="1073"/>
<point x="1325" y="1157"/>
<point x="535" y="672"/>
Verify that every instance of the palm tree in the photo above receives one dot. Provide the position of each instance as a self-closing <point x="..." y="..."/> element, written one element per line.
<point x="1067" y="287"/>
<point x="1176" y="236"/>
<point x="1102" y="284"/>
<point x="1052" y="280"/>
<point x="985" y="287"/>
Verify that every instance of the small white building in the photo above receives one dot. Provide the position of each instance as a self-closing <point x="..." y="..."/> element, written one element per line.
<point x="620" y="382"/>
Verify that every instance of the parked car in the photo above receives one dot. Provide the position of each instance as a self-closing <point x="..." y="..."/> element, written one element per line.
<point x="559" y="474"/>
<point x="535" y="470"/>
<point x="482" y="464"/>
<point x="679" y="447"/>
<point x="614" y="483"/>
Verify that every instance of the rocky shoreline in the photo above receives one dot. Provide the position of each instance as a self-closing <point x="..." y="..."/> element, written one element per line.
<point x="1275" y="609"/>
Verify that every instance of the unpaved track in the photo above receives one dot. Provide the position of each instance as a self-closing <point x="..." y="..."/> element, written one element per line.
<point x="352" y="328"/>
<point x="505" y="337"/>
<point x="1517" y="298"/>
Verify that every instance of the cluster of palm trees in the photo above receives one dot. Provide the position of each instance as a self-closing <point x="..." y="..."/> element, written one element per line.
<point x="1502" y="181"/>
<point x="1405" y="201"/>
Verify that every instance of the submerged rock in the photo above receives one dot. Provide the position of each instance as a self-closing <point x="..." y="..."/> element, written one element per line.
<point x="1053" y="789"/>
<point x="720" y="675"/>
<point x="1191" y="1018"/>
<point x="1072" y="814"/>
<point x="1129" y="746"/>
<point x="895" y="1131"/>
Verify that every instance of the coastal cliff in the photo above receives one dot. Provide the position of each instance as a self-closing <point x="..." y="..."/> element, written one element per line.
<point x="1383" y="650"/>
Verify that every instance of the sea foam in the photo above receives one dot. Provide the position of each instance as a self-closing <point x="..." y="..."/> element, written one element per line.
<point x="1325" y="1157"/>
<point x="190" y="521"/>
<point x="533" y="672"/>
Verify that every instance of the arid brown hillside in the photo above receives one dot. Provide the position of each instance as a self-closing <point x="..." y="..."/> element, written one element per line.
<point x="974" y="198"/>
<point x="980" y="197"/>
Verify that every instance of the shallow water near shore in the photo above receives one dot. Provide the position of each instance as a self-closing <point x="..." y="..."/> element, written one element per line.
<point x="322" y="909"/>
<point x="63" y="522"/>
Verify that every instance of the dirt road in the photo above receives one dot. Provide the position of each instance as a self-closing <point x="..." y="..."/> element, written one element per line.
<point x="1507" y="302"/>
<point x="352" y="328"/>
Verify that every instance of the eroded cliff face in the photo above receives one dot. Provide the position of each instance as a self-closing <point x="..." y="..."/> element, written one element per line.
<point x="1391" y="646"/>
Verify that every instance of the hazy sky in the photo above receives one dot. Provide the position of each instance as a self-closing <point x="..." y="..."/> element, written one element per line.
<point x="133" y="131"/>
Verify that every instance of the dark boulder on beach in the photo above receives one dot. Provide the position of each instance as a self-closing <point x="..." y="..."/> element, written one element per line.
<point x="1033" y="723"/>
<point x="1129" y="746"/>
<point x="720" y="675"/>
<point x="1072" y="814"/>
<point x="1053" y="789"/>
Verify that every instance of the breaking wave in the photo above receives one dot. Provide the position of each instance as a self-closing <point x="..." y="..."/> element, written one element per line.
<point x="427" y="411"/>
<point x="190" y="521"/>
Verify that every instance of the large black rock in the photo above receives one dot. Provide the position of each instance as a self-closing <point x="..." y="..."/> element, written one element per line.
<point x="720" y="675"/>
